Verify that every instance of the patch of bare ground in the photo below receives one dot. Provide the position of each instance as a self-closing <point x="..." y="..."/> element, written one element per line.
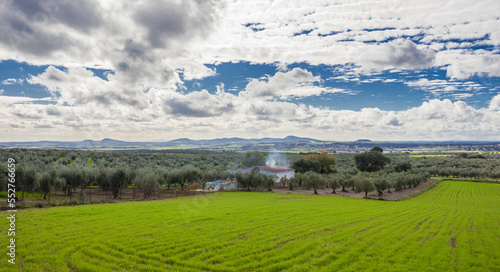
<point x="393" y="195"/>
<point x="453" y="242"/>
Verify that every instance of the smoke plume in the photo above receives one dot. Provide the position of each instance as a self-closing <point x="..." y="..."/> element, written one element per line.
<point x="276" y="159"/>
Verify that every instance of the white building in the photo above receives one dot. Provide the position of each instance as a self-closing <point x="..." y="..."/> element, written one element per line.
<point x="273" y="170"/>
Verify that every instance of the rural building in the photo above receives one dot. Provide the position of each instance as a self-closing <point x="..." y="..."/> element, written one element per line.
<point x="273" y="170"/>
<point x="221" y="185"/>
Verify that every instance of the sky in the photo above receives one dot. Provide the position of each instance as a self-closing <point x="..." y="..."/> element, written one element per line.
<point x="332" y="70"/>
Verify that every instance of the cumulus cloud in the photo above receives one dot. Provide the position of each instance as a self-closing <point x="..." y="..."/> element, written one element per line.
<point x="462" y="64"/>
<point x="148" y="43"/>
<point x="145" y="42"/>
<point x="79" y="86"/>
<point x="445" y="110"/>
<point x="495" y="103"/>
<point x="36" y="28"/>
<point x="153" y="46"/>
<point x="197" y="104"/>
<point x="398" y="54"/>
<point x="172" y="114"/>
<point x="81" y="15"/>
<point x="409" y="36"/>
<point x="116" y="35"/>
<point x="174" y="21"/>
<point x="295" y="83"/>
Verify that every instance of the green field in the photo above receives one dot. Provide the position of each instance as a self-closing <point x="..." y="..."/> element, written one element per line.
<point x="452" y="227"/>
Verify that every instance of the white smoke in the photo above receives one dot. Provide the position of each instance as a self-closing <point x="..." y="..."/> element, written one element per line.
<point x="276" y="158"/>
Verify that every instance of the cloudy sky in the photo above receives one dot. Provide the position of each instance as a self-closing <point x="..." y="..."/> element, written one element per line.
<point x="200" y="69"/>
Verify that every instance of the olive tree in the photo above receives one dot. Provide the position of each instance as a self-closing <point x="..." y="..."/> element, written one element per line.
<point x="346" y="180"/>
<point x="89" y="177"/>
<point x="3" y="177"/>
<point x="313" y="180"/>
<point x="268" y="181"/>
<point x="295" y="180"/>
<point x="334" y="181"/>
<point x="403" y="166"/>
<point x="399" y="181"/>
<point x="363" y="183"/>
<point x="26" y="178"/>
<point x="45" y="181"/>
<point x="72" y="176"/>
<point x="113" y="179"/>
<point x="119" y="179"/>
<point x="250" y="179"/>
<point x="283" y="181"/>
<point x="183" y="176"/>
<point x="380" y="183"/>
<point x="147" y="180"/>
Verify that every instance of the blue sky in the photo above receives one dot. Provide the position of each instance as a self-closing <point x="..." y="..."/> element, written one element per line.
<point x="153" y="70"/>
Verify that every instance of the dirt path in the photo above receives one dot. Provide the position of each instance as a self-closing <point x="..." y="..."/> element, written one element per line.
<point x="405" y="193"/>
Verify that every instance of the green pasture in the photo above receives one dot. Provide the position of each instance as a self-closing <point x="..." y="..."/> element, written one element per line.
<point x="452" y="227"/>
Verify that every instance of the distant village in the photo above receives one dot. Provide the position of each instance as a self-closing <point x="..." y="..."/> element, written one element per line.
<point x="353" y="147"/>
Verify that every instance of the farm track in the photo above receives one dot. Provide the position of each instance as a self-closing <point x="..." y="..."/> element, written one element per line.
<point x="452" y="227"/>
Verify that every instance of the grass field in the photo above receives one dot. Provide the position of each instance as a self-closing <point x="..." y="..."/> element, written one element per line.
<point x="452" y="227"/>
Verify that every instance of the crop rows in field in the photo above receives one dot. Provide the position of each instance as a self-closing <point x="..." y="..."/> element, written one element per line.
<point x="454" y="226"/>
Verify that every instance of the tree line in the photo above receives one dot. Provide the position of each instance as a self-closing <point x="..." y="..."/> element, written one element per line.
<point x="49" y="170"/>
<point x="45" y="170"/>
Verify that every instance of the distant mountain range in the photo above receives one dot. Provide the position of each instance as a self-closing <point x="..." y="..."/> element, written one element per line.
<point x="287" y="143"/>
<point x="111" y="143"/>
<point x="235" y="140"/>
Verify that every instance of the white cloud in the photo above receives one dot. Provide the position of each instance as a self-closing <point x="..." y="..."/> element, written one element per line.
<point x="196" y="104"/>
<point x="445" y="110"/>
<point x="192" y="69"/>
<point x="148" y="41"/>
<point x="152" y="46"/>
<point x="81" y="87"/>
<point x="10" y="81"/>
<point x="402" y="54"/>
<point x="462" y="96"/>
<point x="203" y="115"/>
<point x="463" y="64"/>
<point x="9" y="100"/>
<point x="295" y="83"/>
<point x="268" y="32"/>
<point x="144" y="42"/>
<point x="438" y="87"/>
<point x="495" y="103"/>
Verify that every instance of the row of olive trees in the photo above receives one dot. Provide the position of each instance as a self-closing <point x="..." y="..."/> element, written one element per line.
<point x="206" y="161"/>
<point x="315" y="171"/>
<point x="465" y="172"/>
<point x="66" y="178"/>
<point x="379" y="182"/>
<point x="364" y="182"/>
<point x="254" y="178"/>
<point x="460" y="166"/>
